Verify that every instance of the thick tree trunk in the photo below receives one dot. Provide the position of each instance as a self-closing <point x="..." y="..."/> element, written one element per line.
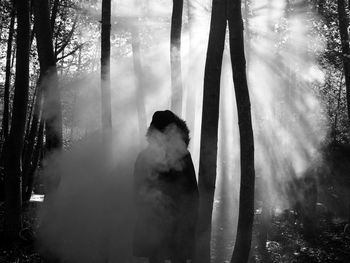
<point x="246" y="196"/>
<point x="175" y="57"/>
<point x="344" y="36"/>
<point x="52" y="112"/>
<point x="141" y="109"/>
<point x="105" y="66"/>
<point x="209" y="129"/>
<point x="5" y="118"/>
<point x="13" y="194"/>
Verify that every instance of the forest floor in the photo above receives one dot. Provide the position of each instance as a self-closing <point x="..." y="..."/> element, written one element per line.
<point x="286" y="242"/>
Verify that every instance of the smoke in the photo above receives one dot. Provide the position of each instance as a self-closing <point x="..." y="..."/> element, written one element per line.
<point x="90" y="216"/>
<point x="85" y="218"/>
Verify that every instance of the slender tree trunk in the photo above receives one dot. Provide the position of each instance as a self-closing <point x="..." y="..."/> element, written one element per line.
<point x="246" y="195"/>
<point x="14" y="144"/>
<point x="209" y="129"/>
<point x="32" y="134"/>
<point x="141" y="109"/>
<point x="34" y="164"/>
<point x="175" y="56"/>
<point x="27" y="130"/>
<point x="52" y="112"/>
<point x="191" y="89"/>
<point x="105" y="66"/>
<point x="344" y="36"/>
<point x="5" y="118"/>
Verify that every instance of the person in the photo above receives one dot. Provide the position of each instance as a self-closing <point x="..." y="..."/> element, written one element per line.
<point x="165" y="193"/>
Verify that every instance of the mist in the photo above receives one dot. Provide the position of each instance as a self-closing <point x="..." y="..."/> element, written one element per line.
<point x="90" y="216"/>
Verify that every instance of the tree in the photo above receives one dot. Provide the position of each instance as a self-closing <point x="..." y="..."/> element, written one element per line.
<point x="29" y="159"/>
<point x="175" y="56"/>
<point x="5" y="118"/>
<point x="344" y="37"/>
<point x="105" y="65"/>
<point x="52" y="112"/>
<point x="223" y="11"/>
<point x="14" y="144"/>
<point x="246" y="193"/>
<point x="209" y="128"/>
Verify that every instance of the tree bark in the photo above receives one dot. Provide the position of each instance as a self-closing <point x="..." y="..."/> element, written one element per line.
<point x="52" y="112"/>
<point x="105" y="66"/>
<point x="14" y="144"/>
<point x="344" y="36"/>
<point x="246" y="196"/>
<point x="5" y="118"/>
<point x="209" y="128"/>
<point x="175" y="57"/>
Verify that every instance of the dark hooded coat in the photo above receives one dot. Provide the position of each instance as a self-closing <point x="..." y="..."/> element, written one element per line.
<point x="166" y="194"/>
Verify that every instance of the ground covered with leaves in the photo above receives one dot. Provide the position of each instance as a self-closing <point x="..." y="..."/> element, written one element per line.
<point x="286" y="242"/>
<point x="23" y="250"/>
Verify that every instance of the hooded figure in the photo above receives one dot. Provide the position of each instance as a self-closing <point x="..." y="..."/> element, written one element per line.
<point x="165" y="192"/>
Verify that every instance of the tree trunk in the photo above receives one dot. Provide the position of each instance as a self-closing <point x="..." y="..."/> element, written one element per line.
<point x="105" y="66"/>
<point x="34" y="164"/>
<point x="13" y="194"/>
<point x="175" y="57"/>
<point x="191" y="89"/>
<point x="135" y="42"/>
<point x="5" y="118"/>
<point x="344" y="36"/>
<point x="209" y="128"/>
<point x="52" y="112"/>
<point x="32" y="134"/>
<point x="246" y="195"/>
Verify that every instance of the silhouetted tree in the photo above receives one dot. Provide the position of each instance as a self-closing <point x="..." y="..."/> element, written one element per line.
<point x="14" y="143"/>
<point x="27" y="193"/>
<point x="175" y="56"/>
<point x="223" y="11"/>
<point x="29" y="160"/>
<point x="209" y="128"/>
<point x="52" y="112"/>
<point x="246" y="193"/>
<point x="344" y="37"/>
<point x="105" y="65"/>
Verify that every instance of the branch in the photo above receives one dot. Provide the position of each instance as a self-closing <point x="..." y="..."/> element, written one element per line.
<point x="70" y="53"/>
<point x="67" y="39"/>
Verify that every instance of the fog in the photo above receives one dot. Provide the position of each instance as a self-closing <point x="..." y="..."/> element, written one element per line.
<point x="90" y="216"/>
